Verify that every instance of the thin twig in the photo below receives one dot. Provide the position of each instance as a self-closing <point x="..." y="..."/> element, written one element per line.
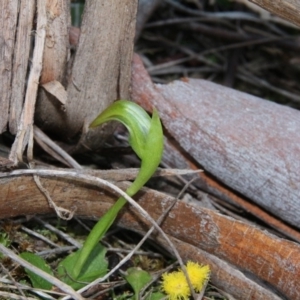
<point x="60" y="233"/>
<point x="134" y="250"/>
<point x="63" y="213"/>
<point x="246" y="76"/>
<point x="40" y="292"/>
<point x="7" y="295"/>
<point x="150" y="254"/>
<point x="39" y="236"/>
<point x="233" y="15"/>
<point x="13" y="280"/>
<point x="56" y="251"/>
<point x="185" y="50"/>
<point x="39" y="135"/>
<point x="168" y="64"/>
<point x="221" y="33"/>
<point x="112" y="286"/>
<point x="88" y="229"/>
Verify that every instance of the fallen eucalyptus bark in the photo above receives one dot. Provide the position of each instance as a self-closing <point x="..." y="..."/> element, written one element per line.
<point x="203" y="235"/>
<point x="249" y="144"/>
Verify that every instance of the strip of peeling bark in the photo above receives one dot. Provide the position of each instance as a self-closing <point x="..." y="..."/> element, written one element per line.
<point x="24" y="137"/>
<point x="8" y="23"/>
<point x="21" y="60"/>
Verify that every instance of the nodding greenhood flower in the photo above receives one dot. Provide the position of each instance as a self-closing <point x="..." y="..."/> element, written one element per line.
<point x="176" y="286"/>
<point x="146" y="139"/>
<point x="136" y="120"/>
<point x="145" y="136"/>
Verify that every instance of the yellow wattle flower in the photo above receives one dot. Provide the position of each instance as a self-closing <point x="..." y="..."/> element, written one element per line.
<point x="198" y="274"/>
<point x="175" y="286"/>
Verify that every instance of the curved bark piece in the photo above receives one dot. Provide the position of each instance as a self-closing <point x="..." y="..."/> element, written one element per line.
<point x="249" y="144"/>
<point x="268" y="258"/>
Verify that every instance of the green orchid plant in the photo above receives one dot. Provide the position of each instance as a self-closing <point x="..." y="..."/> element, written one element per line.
<point x="146" y="139"/>
<point x="89" y="262"/>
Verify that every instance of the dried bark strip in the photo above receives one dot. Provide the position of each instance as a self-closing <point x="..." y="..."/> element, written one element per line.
<point x="55" y="61"/>
<point x="21" y="60"/>
<point x="56" y="49"/>
<point x="8" y="21"/>
<point x="25" y="130"/>
<point x="268" y="258"/>
<point x="288" y="9"/>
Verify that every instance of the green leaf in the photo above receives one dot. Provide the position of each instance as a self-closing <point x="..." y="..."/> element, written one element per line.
<point x="37" y="261"/>
<point x="4" y="240"/>
<point x="95" y="267"/>
<point x="138" y="279"/>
